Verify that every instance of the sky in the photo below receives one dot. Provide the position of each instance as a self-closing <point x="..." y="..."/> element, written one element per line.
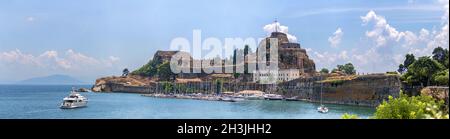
<point x="89" y="39"/>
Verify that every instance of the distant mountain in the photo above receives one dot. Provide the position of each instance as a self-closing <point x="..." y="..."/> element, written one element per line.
<point x="52" y="80"/>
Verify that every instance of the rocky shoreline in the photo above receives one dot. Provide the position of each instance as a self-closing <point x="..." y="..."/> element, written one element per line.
<point x="366" y="90"/>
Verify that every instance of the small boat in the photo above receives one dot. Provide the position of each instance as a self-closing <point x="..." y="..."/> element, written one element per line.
<point x="74" y="100"/>
<point x="227" y="99"/>
<point x="236" y="99"/>
<point x="254" y="97"/>
<point x="273" y="97"/>
<point x="231" y="99"/>
<point x="322" y="109"/>
<point x="292" y="99"/>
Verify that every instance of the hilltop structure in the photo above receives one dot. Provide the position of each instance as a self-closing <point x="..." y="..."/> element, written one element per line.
<point x="293" y="61"/>
<point x="295" y="77"/>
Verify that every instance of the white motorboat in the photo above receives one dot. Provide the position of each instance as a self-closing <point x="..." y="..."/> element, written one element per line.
<point x="74" y="100"/>
<point x="254" y="97"/>
<point x="236" y="99"/>
<point x="273" y="97"/>
<point x="322" y="109"/>
<point x="231" y="99"/>
<point x="292" y="99"/>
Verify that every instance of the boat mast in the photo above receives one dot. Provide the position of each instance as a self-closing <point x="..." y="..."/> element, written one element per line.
<point x="321" y="85"/>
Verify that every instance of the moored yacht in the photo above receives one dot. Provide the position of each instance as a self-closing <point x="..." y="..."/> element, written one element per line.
<point x="273" y="97"/>
<point x="322" y="109"/>
<point x="74" y="100"/>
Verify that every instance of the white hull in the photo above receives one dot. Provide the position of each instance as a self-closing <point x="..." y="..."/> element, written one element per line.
<point x="322" y="109"/>
<point x="254" y="98"/>
<point x="273" y="97"/>
<point x="73" y="105"/>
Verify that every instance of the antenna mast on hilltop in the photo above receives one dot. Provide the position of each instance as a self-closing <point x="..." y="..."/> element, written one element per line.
<point x="276" y="24"/>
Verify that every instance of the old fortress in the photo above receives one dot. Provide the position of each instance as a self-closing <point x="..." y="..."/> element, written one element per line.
<point x="293" y="63"/>
<point x="296" y="77"/>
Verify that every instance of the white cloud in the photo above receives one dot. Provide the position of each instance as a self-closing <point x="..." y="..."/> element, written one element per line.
<point x="424" y="35"/>
<point x="114" y="59"/>
<point x="437" y="38"/>
<point x="382" y="32"/>
<point x="335" y="40"/>
<point x="75" y="60"/>
<point x="280" y="28"/>
<point x="16" y="56"/>
<point x="410" y="39"/>
<point x="389" y="47"/>
<point x="52" y="62"/>
<point x="329" y="59"/>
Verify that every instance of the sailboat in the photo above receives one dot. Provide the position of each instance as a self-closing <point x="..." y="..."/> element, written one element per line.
<point x="322" y="108"/>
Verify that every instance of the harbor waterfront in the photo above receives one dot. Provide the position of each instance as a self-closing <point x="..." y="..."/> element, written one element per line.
<point x="42" y="102"/>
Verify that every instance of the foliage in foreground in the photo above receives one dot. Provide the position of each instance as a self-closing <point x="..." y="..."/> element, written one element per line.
<point x="415" y="107"/>
<point x="441" y="78"/>
<point x="349" y="116"/>
<point x="405" y="107"/>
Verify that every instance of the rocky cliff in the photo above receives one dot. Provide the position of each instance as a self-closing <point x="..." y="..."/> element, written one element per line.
<point x="110" y="84"/>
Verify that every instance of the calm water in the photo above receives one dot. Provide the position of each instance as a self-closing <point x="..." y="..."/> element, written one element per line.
<point x="41" y="102"/>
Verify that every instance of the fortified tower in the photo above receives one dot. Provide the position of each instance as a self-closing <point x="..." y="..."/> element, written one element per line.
<point x="291" y="55"/>
<point x="293" y="61"/>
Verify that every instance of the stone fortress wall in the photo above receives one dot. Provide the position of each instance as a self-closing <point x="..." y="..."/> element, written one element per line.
<point x="366" y="90"/>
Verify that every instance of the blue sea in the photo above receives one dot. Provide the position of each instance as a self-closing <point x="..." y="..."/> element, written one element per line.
<point x="42" y="102"/>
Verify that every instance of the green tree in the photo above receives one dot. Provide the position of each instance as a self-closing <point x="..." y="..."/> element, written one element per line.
<point x="168" y="87"/>
<point x="446" y="64"/>
<point x="410" y="59"/>
<point x="149" y="69"/>
<point x="440" y="54"/>
<point x="125" y="72"/>
<point x="247" y="50"/>
<point x="164" y="71"/>
<point x="334" y="70"/>
<point x="416" y="107"/>
<point x="325" y="71"/>
<point x="441" y="78"/>
<point x="236" y="75"/>
<point x="422" y="71"/>
<point x="347" y="69"/>
<point x="401" y="69"/>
